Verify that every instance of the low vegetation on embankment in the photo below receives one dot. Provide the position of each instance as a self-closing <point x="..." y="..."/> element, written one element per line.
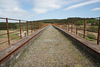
<point x="14" y="31"/>
<point x="91" y="26"/>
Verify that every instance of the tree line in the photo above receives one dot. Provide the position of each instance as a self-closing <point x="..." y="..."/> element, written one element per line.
<point x="39" y="23"/>
<point x="35" y="25"/>
<point x="92" y="21"/>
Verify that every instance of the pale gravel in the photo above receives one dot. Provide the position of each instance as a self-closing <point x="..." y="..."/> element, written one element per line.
<point x="53" y="49"/>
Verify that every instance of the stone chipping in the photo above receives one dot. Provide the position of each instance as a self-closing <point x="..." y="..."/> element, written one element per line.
<point x="53" y="49"/>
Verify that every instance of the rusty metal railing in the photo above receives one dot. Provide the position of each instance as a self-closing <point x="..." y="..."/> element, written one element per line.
<point x="73" y="27"/>
<point x="11" y="32"/>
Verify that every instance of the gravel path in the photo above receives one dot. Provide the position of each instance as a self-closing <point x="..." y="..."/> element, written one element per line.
<point x="52" y="49"/>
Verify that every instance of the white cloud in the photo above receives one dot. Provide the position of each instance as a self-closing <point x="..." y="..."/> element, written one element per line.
<point x="42" y="6"/>
<point x="12" y="9"/>
<point x="81" y="4"/>
<point x="16" y="8"/>
<point x="95" y="9"/>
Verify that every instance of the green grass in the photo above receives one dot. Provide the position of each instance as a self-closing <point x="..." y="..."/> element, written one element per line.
<point x="3" y="36"/>
<point x="88" y="39"/>
<point x="92" y="28"/>
<point x="91" y="36"/>
<point x="20" y="57"/>
<point x="14" y="35"/>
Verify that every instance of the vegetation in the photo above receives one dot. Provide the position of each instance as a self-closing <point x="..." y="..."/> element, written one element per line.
<point x="92" y="29"/>
<point x="36" y="25"/>
<point x="91" y="36"/>
<point x="93" y="21"/>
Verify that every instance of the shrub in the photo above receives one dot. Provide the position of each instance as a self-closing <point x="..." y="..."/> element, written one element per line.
<point x="80" y="27"/>
<point x="92" y="29"/>
<point x="91" y="36"/>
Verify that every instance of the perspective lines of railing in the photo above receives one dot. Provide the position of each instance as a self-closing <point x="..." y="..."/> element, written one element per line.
<point x="85" y="28"/>
<point x="12" y="30"/>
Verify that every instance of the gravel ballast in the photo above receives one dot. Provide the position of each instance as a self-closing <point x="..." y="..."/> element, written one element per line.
<point x="53" y="49"/>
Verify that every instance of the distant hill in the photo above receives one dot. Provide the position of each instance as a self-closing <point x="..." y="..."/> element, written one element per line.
<point x="89" y="20"/>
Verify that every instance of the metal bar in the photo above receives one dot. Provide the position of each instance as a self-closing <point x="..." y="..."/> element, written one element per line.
<point x="34" y="26"/>
<point x="16" y="49"/>
<point x="4" y="42"/>
<point x="31" y="26"/>
<point x="11" y="19"/>
<point x="27" y="27"/>
<point x="14" y="31"/>
<point x="98" y="38"/>
<point x="93" y="48"/>
<point x="76" y="26"/>
<point x="20" y="29"/>
<point x="72" y="26"/>
<point x="2" y="26"/>
<point x="8" y="31"/>
<point x="3" y="34"/>
<point x="84" y="28"/>
<point x="68" y="26"/>
<point x="13" y="25"/>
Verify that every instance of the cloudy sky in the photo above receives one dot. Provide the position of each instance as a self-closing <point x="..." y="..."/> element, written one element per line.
<point x="49" y="9"/>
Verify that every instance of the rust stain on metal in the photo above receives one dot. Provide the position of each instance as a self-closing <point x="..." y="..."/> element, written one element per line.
<point x="68" y="26"/>
<point x="98" y="38"/>
<point x="84" y="28"/>
<point x="72" y="26"/>
<point x="8" y="31"/>
<point x="76" y="26"/>
<point x="20" y="29"/>
<point x="12" y="52"/>
<point x="27" y="27"/>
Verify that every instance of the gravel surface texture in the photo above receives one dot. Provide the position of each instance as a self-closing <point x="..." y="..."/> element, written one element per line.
<point x="53" y="49"/>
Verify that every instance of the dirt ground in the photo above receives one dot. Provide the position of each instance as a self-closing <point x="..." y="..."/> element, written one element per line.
<point x="53" y="49"/>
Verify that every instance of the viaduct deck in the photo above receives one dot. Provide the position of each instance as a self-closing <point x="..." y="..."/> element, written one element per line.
<point x="53" y="49"/>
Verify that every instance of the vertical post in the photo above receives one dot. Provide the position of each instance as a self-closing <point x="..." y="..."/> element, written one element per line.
<point x="31" y="26"/>
<point x="27" y="27"/>
<point x="38" y="25"/>
<point x="20" y="29"/>
<point x="72" y="26"/>
<point x="84" y="28"/>
<point x="34" y="26"/>
<point x="8" y="31"/>
<point x="76" y="26"/>
<point x="68" y="26"/>
<point x="98" y="38"/>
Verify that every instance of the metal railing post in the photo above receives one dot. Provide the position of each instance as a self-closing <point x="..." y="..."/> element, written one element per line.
<point x="20" y="29"/>
<point x="98" y="38"/>
<point x="34" y="26"/>
<point x="72" y="26"/>
<point x="31" y="27"/>
<point x="68" y="26"/>
<point x="8" y="31"/>
<point x="76" y="26"/>
<point x="27" y="27"/>
<point x="84" y="28"/>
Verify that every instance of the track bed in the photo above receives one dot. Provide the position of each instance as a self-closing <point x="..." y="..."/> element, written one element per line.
<point x="53" y="49"/>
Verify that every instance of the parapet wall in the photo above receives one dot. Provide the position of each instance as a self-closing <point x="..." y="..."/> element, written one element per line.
<point x="90" y="48"/>
<point x="9" y="55"/>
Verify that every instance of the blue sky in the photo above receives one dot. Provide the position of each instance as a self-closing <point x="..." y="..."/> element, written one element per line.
<point x="49" y="9"/>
